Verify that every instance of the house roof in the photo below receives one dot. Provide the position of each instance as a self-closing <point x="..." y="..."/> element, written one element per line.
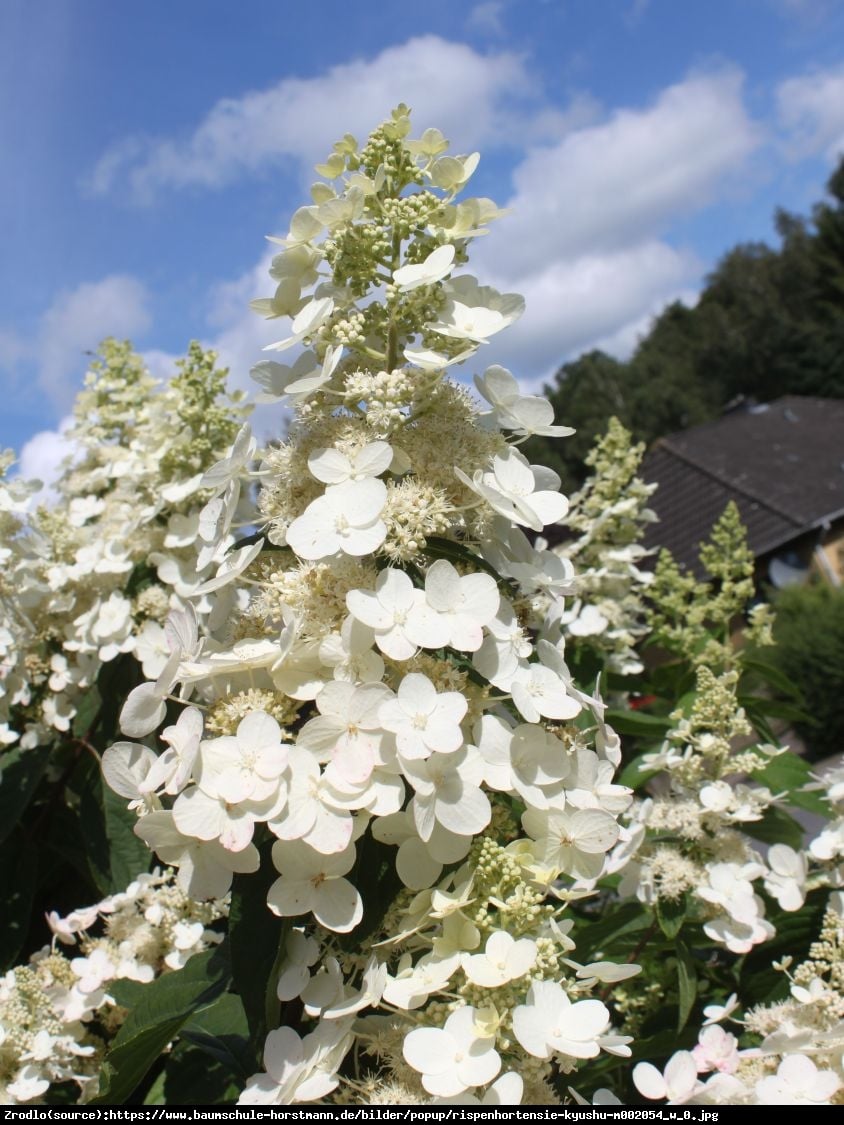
<point x="781" y="462"/>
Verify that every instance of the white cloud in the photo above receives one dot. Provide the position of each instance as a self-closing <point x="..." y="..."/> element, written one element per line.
<point x="13" y="348"/>
<point x="623" y="341"/>
<point x="597" y="300"/>
<point x="583" y="241"/>
<point x="611" y="185"/>
<point x="42" y="456"/>
<point x="811" y="108"/>
<point x="470" y="96"/>
<point x="77" y="321"/>
<point x="160" y="364"/>
<point x="807" y="11"/>
<point x="486" y="17"/>
<point x="240" y="333"/>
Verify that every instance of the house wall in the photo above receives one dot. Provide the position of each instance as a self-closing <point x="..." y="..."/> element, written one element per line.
<point x="830" y="566"/>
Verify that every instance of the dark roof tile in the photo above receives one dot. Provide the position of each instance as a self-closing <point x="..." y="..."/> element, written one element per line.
<point x="782" y="464"/>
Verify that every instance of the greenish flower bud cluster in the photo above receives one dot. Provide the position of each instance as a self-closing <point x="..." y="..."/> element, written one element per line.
<point x="694" y="618"/>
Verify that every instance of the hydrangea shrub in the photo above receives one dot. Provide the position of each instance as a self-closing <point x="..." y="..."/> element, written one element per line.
<point x="374" y="724"/>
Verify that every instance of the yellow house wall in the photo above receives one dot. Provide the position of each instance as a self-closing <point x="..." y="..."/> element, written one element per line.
<point x="833" y="550"/>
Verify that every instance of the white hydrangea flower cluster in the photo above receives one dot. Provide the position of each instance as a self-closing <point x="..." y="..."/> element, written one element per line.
<point x="132" y="538"/>
<point x="689" y="835"/>
<point x="689" y="838"/>
<point x="15" y="501"/>
<point x="397" y="683"/>
<point x="691" y="845"/>
<point x="56" y="1014"/>
<point x="797" y="1059"/>
<point x="608" y="516"/>
<point x="828" y="846"/>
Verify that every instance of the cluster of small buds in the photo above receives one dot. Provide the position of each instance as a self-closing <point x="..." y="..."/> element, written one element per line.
<point x="384" y="149"/>
<point x="692" y="617"/>
<point x="608" y="517"/>
<point x="349" y="330"/>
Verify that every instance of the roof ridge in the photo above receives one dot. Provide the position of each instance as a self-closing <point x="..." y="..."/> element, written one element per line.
<point x="664" y="443"/>
<point x="755" y="408"/>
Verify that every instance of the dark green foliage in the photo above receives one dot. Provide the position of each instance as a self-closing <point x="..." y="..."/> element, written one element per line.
<point x="115" y="854"/>
<point x="211" y="1060"/>
<point x="809" y="651"/>
<point x="18" y="874"/>
<point x="686" y="983"/>
<point x="159" y="1011"/>
<point x="789" y="773"/>
<point x="22" y="770"/>
<point x="761" y="983"/>
<point x="66" y="839"/>
<point x="769" y="322"/>
<point x="671" y="915"/>
<point x="257" y="942"/>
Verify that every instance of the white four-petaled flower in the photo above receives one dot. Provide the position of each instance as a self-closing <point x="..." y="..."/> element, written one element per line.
<point x="313" y="883"/>
<point x="422" y="719"/>
<point x="549" y="1023"/>
<point x="455" y="1057"/>
<point x="347" y="518"/>
<point x="504" y="959"/>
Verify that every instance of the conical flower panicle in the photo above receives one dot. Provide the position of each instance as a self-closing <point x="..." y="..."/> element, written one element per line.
<point x="385" y="694"/>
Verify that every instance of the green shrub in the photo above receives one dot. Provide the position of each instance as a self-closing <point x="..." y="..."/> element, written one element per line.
<point x="809" y="635"/>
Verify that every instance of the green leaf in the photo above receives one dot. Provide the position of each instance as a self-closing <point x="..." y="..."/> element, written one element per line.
<point x="129" y="856"/>
<point x="64" y="864"/>
<point x="92" y="823"/>
<point x="636" y="774"/>
<point x="127" y="993"/>
<point x="670" y="681"/>
<point x="776" y="827"/>
<point x="18" y="877"/>
<point x="671" y="915"/>
<point x="789" y="773"/>
<point x="761" y="725"/>
<point x="619" y="921"/>
<point x="255" y="936"/>
<point x="759" y="982"/>
<point x="438" y="547"/>
<point x="686" y="983"/>
<point x="191" y="1078"/>
<point x="222" y="1032"/>
<point x="155" y="1094"/>
<point x="114" y="682"/>
<point x="114" y="853"/>
<point x="639" y="723"/>
<point x="776" y="708"/>
<point x="20" y="772"/>
<point x="86" y="712"/>
<point x="155" y="1019"/>
<point x="662" y="1044"/>
<point x="771" y="675"/>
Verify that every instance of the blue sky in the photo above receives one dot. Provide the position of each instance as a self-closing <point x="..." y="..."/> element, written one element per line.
<point x="148" y="148"/>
